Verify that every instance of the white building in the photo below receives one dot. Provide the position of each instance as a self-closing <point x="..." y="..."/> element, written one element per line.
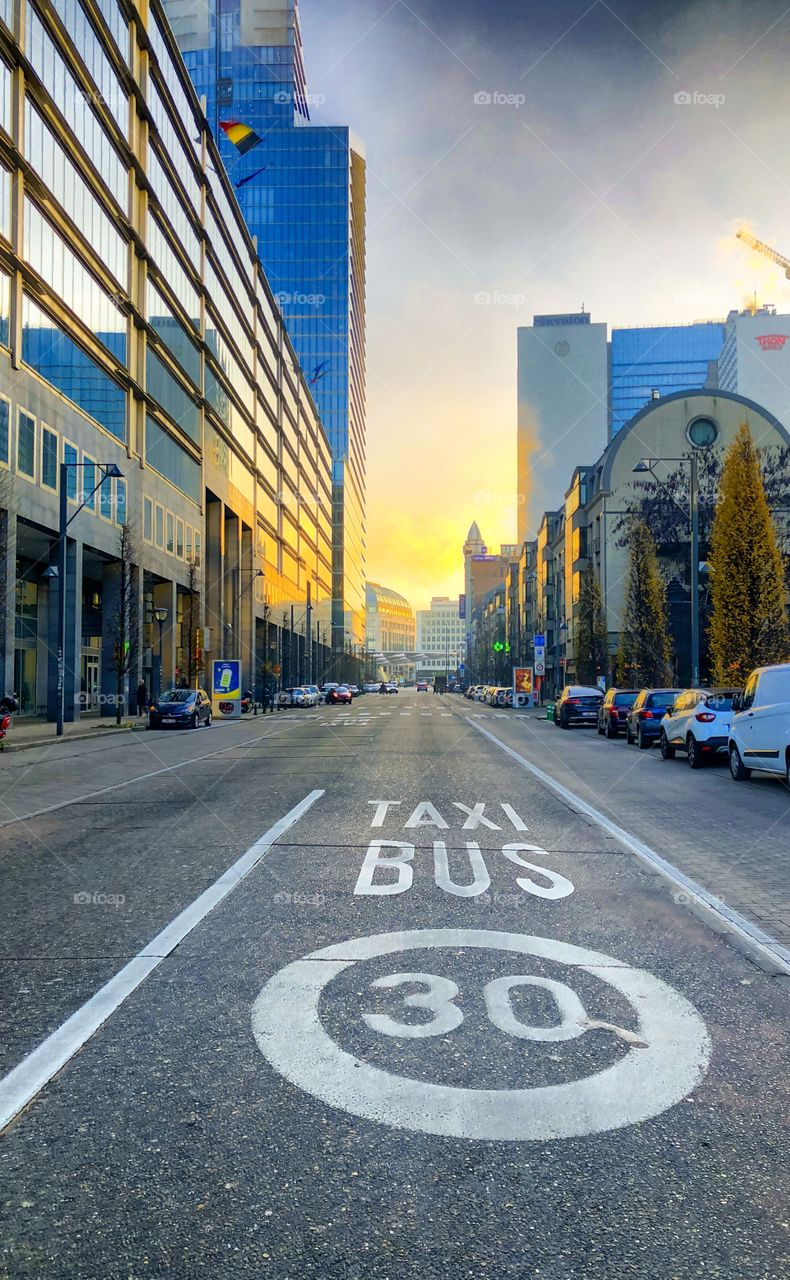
<point x="563" y="410"/>
<point x="755" y="359"/>
<point x="441" y="636"/>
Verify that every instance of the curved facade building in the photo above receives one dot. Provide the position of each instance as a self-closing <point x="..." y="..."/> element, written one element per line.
<point x="390" y="620"/>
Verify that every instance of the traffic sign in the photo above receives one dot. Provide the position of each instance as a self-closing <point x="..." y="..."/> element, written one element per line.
<point x="462" y="668"/>
<point x="539" y="641"/>
<point x="665" y="1060"/>
<point x="540" y="667"/>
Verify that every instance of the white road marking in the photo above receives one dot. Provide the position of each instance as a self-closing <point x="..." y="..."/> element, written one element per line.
<point x="35" y="1071"/>
<point x="140" y="777"/>
<point x="637" y="1086"/>
<point x="769" y="953"/>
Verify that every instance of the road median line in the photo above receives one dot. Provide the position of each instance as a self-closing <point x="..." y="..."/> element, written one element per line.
<point x="766" y="951"/>
<point x="34" y="1072"/>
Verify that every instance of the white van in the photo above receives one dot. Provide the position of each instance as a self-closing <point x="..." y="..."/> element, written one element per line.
<point x="759" y="735"/>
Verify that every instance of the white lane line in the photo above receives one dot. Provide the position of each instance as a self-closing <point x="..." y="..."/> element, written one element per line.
<point x="35" y="1071"/>
<point x="758" y="944"/>
<point x="140" y="777"/>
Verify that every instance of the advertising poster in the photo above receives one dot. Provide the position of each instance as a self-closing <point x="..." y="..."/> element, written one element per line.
<point x="522" y="680"/>
<point x="226" y="688"/>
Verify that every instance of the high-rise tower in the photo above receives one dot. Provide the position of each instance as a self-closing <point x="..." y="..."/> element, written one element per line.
<point x="302" y="190"/>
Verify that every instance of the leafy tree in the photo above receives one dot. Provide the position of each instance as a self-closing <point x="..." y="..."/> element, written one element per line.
<point x="748" y="625"/>
<point x="592" y="637"/>
<point x="124" y="625"/>
<point x="644" y="654"/>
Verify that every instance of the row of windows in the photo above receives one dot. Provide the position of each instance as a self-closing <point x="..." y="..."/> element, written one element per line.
<point x="35" y="452"/>
<point x="170" y="533"/>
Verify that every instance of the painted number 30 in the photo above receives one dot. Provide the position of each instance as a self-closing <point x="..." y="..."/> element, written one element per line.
<point x="441" y="994"/>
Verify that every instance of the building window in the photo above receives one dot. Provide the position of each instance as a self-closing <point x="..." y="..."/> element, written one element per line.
<point x="171" y="461"/>
<point x="148" y="520"/>
<point x="71" y="457"/>
<point x="105" y="498"/>
<point x="120" y="501"/>
<point x="170" y="539"/>
<point x="26" y="445"/>
<point x="197" y="547"/>
<point x="88" y="470"/>
<point x="189" y="542"/>
<point x="49" y="459"/>
<point x="180" y="539"/>
<point x="5" y="433"/>
<point x="160" y="527"/>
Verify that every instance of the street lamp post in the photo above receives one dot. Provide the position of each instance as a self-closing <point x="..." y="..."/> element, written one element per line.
<point x="108" y="471"/>
<point x="647" y="465"/>
<point x="160" y="613"/>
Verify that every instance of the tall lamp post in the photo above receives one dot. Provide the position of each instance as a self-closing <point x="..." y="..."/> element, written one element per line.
<point x="108" y="471"/>
<point x="647" y="465"/>
<point x="160" y="613"/>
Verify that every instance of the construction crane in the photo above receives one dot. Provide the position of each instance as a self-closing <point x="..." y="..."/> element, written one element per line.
<point x="765" y="249"/>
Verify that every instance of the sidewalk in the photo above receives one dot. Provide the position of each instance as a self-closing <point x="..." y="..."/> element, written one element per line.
<point x="41" y="733"/>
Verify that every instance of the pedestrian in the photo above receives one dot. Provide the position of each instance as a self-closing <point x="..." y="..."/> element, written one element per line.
<point x="142" y="698"/>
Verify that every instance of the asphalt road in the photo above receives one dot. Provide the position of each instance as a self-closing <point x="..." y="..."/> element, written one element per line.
<point x="253" y="1050"/>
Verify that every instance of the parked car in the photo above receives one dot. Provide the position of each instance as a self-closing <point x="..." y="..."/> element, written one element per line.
<point x="613" y="711"/>
<point x="759" y="735"/>
<point x="499" y="697"/>
<point x="698" y="722"/>
<point x="339" y="693"/>
<point x="470" y="691"/>
<point x="312" y="695"/>
<point x="422" y="686"/>
<point x="180" y="709"/>
<point x="577" y="704"/>
<point x="295" y="697"/>
<point x="354" y="690"/>
<point x="508" y="698"/>
<point x="643" y="722"/>
<point x="392" y="688"/>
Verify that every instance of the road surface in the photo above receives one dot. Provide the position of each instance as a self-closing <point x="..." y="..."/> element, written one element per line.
<point x="356" y="993"/>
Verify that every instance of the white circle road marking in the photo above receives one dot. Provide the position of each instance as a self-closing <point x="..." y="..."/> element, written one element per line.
<point x="644" y="1083"/>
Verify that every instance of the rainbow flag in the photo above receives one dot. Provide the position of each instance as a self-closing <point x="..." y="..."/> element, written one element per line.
<point x="241" y="135"/>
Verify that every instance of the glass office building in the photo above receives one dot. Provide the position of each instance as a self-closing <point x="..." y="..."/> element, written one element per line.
<point x="666" y="358"/>
<point x="138" y="330"/>
<point x="302" y="191"/>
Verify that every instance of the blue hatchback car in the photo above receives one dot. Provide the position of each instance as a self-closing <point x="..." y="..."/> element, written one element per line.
<point x="180" y="709"/>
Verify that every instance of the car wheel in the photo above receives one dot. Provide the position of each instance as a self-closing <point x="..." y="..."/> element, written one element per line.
<point x="564" y="721"/>
<point x="599" y="730"/>
<point x="641" y="741"/>
<point x="787" y="770"/>
<point x="610" y="730"/>
<point x="193" y="720"/>
<point x="737" y="768"/>
<point x="695" y="757"/>
<point x="667" y="752"/>
<point x="628" y="737"/>
<point x="208" y="720"/>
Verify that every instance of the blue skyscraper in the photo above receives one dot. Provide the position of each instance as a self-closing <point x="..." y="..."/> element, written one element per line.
<point x="665" y="359"/>
<point x="302" y="190"/>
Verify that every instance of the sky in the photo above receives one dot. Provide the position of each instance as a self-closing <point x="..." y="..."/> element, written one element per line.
<point x="535" y="153"/>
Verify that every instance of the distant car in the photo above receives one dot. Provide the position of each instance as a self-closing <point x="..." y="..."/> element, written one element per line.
<point x="698" y="722"/>
<point x="577" y="704"/>
<point x="643" y="722"/>
<point x="295" y="697"/>
<point x="354" y="690"/>
<point x="759" y="735"/>
<point x="469" y="692"/>
<point x="509" y="698"/>
<point x="422" y="686"/>
<point x="312" y="695"/>
<point x="499" y="697"/>
<point x="613" y="711"/>
<point x="180" y="709"/>
<point x="339" y="693"/>
<point x="392" y="688"/>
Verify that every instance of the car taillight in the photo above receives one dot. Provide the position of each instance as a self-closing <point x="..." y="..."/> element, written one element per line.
<point x="613" y="712"/>
<point x="646" y="715"/>
<point x="573" y="702"/>
<point x="705" y="717"/>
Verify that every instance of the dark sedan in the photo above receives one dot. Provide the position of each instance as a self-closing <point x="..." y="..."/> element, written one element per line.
<point x="613" y="711"/>
<point x="643" y="723"/>
<point x="341" y="693"/>
<point x="180" y="709"/>
<point x="577" y="704"/>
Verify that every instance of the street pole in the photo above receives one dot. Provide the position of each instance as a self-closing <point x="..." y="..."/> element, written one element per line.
<point x="291" y="665"/>
<point x="64" y="471"/>
<point x="309" y="634"/>
<point x="694" y="499"/>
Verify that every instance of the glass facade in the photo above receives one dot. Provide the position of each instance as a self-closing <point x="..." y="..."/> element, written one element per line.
<point x="302" y="192"/>
<point x="666" y="359"/>
<point x="149" y="333"/>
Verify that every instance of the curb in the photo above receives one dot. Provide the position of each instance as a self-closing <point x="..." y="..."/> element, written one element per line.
<point x="71" y="737"/>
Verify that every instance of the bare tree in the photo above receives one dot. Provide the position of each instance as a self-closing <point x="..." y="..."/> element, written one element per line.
<point x="124" y="625"/>
<point x="188" y="656"/>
